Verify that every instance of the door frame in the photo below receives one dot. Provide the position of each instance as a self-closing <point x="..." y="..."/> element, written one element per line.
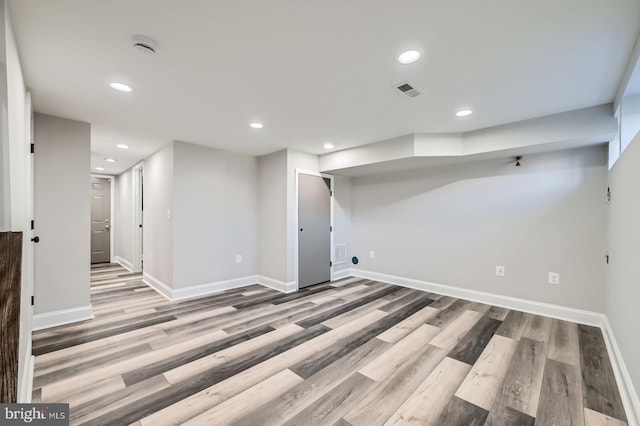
<point x="25" y="383"/>
<point x="138" y="216"/>
<point x="295" y="221"/>
<point x="112" y="222"/>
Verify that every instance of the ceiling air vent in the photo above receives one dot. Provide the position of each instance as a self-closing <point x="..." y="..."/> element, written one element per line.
<point x="408" y="89"/>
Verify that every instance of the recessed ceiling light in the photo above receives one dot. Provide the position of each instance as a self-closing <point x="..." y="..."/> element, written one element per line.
<point x="328" y="145"/>
<point x="99" y="169"/>
<point x="409" y="57"/>
<point x="256" y="125"/>
<point x="110" y="160"/>
<point x="122" y="146"/>
<point x="464" y="113"/>
<point x="121" y="87"/>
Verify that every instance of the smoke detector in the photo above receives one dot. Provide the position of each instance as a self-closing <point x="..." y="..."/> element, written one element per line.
<point x="144" y="44"/>
<point x="408" y="89"/>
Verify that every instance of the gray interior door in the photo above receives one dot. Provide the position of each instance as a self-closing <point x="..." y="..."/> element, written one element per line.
<point x="314" y="234"/>
<point x="100" y="220"/>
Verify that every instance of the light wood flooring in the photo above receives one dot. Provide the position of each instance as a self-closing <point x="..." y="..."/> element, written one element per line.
<point x="351" y="352"/>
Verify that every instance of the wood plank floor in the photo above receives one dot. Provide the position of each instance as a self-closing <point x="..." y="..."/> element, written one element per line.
<point x="351" y="352"/>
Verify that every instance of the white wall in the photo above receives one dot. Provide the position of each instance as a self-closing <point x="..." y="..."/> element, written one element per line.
<point x="62" y="213"/>
<point x="19" y="152"/>
<point x="453" y="226"/>
<point x="215" y="215"/>
<point x="272" y="216"/>
<point x="342" y="218"/>
<point x="629" y="119"/>
<point x="277" y="219"/>
<point x="221" y="205"/>
<point x="623" y="291"/>
<point x="158" y="215"/>
<point x="277" y="225"/>
<point x="124" y="224"/>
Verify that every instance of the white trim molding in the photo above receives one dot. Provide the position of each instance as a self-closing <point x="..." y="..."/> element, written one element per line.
<point x="157" y="285"/>
<point x="342" y="273"/>
<point x="208" y="288"/>
<point x="124" y="263"/>
<point x="538" y="308"/>
<point x="137" y="172"/>
<point x="285" y="287"/>
<point x="628" y="392"/>
<point x="201" y="290"/>
<point x="62" y="317"/>
<point x="26" y="384"/>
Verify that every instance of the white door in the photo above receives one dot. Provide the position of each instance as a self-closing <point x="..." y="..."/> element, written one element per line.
<point x="314" y="230"/>
<point x="100" y="220"/>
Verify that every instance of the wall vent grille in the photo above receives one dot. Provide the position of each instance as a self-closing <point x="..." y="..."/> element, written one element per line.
<point x="340" y="254"/>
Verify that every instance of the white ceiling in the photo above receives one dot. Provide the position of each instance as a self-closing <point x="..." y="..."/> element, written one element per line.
<point x="314" y="71"/>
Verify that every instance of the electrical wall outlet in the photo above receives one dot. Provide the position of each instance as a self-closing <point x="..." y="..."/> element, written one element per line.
<point x="238" y="258"/>
<point x="372" y="254"/>
<point x="554" y="278"/>
<point x="500" y="271"/>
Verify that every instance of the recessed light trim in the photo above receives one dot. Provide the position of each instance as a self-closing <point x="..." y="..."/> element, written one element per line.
<point x="110" y="160"/>
<point x="99" y="169"/>
<point x="328" y="145"/>
<point x="122" y="146"/>
<point x="256" y="125"/>
<point x="408" y="57"/>
<point x="121" y="87"/>
<point x="464" y="113"/>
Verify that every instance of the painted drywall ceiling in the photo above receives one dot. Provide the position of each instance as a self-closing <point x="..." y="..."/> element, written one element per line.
<point x="314" y="72"/>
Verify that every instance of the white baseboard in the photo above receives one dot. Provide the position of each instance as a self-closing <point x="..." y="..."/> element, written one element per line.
<point x="124" y="263"/>
<point x="627" y="391"/>
<point x="62" y="317"/>
<point x="282" y="286"/>
<point x="157" y="285"/>
<point x="25" y="386"/>
<point x="196" y="290"/>
<point x="338" y="275"/>
<point x="538" y="308"/>
<point x="206" y="289"/>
